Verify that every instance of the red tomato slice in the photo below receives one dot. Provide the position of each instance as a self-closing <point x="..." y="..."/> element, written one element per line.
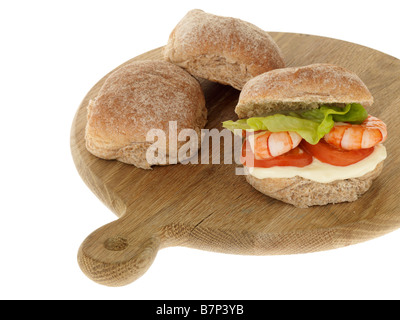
<point x="328" y="153"/>
<point x="295" y="158"/>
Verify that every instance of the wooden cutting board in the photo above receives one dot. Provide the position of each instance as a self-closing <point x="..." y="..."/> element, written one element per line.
<point x="209" y="207"/>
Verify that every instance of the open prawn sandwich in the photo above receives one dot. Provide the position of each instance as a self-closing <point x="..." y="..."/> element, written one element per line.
<point x="308" y="139"/>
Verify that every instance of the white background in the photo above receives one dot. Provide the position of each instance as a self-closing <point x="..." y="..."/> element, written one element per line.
<point x="52" y="53"/>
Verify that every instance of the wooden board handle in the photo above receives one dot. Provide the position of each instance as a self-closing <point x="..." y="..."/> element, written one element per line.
<point x="117" y="253"/>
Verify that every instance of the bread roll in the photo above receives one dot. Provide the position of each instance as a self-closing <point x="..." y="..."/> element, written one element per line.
<point x="138" y="97"/>
<point x="222" y="49"/>
<point x="301" y="88"/>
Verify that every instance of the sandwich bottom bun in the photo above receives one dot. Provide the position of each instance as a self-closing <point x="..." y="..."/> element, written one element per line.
<point x="304" y="193"/>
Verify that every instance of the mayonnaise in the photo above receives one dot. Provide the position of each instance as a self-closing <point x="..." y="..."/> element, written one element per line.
<point x="323" y="172"/>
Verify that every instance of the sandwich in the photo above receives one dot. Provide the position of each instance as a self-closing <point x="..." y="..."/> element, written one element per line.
<point x="226" y="50"/>
<point x="140" y="97"/>
<point x="308" y="138"/>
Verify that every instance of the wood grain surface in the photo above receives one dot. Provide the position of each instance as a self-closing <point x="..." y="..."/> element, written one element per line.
<point x="209" y="207"/>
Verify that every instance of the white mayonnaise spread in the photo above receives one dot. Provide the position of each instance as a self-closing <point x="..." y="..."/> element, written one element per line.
<point x="323" y="172"/>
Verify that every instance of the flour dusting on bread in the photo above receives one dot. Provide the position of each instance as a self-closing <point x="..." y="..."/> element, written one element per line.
<point x="222" y="49"/>
<point x="136" y="98"/>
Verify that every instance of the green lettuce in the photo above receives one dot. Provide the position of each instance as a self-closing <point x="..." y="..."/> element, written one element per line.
<point x="311" y="125"/>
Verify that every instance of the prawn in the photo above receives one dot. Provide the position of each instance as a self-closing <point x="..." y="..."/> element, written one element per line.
<point x="354" y="137"/>
<point x="268" y="144"/>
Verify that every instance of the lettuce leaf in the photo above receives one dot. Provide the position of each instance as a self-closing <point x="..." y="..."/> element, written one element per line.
<point x="311" y="125"/>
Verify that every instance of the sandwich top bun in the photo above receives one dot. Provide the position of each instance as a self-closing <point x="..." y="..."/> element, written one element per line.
<point x="222" y="49"/>
<point x="136" y="98"/>
<point x="301" y="88"/>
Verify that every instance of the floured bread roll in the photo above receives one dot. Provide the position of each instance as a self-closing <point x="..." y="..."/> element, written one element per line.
<point x="136" y="98"/>
<point x="222" y="49"/>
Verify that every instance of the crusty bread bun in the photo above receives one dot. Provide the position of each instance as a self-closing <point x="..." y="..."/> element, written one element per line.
<point x="222" y="49"/>
<point x="301" y="88"/>
<point x="140" y="96"/>
<point x="304" y="193"/>
<point x="306" y="87"/>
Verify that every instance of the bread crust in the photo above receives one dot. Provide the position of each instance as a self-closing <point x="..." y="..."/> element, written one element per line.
<point x="304" y="193"/>
<point x="140" y="96"/>
<point x="304" y="87"/>
<point x="222" y="49"/>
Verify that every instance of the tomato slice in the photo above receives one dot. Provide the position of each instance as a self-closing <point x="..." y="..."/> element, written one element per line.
<point x="328" y="153"/>
<point x="296" y="157"/>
